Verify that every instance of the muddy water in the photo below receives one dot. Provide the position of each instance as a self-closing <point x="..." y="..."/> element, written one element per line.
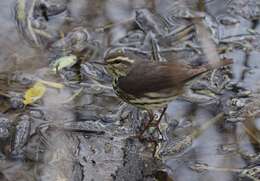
<point x="83" y="131"/>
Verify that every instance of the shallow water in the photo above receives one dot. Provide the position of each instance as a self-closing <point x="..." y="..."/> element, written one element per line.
<point x="82" y="131"/>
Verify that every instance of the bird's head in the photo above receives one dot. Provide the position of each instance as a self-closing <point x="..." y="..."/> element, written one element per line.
<point x="117" y="62"/>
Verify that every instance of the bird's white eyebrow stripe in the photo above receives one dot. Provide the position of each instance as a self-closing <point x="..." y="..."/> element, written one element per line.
<point x="121" y="58"/>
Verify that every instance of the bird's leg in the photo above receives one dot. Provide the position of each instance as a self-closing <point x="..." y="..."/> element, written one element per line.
<point x="147" y="125"/>
<point x="160" y="118"/>
<point x="156" y="125"/>
<point x="151" y="124"/>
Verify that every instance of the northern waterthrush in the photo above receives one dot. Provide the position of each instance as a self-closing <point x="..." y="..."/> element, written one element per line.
<point x="148" y="84"/>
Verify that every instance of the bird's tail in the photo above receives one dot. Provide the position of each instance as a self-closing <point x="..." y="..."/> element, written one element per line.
<point x="220" y="63"/>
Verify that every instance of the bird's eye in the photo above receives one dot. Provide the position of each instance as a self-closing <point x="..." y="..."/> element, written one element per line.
<point x="116" y="62"/>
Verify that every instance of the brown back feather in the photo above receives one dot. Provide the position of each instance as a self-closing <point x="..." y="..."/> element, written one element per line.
<point x="148" y="77"/>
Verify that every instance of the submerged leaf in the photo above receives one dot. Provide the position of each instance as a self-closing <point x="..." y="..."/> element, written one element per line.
<point x="63" y="62"/>
<point x="34" y="93"/>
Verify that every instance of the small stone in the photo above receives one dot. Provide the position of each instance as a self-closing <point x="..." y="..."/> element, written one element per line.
<point x="238" y="102"/>
<point x="36" y="114"/>
<point x="5" y="126"/>
<point x="245" y="93"/>
<point x="235" y="120"/>
<point x="228" y="20"/>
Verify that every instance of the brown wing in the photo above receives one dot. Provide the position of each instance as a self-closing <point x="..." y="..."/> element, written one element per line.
<point x="149" y="77"/>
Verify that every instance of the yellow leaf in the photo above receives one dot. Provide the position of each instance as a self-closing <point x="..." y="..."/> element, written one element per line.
<point x="63" y="62"/>
<point x="34" y="93"/>
<point x="52" y="84"/>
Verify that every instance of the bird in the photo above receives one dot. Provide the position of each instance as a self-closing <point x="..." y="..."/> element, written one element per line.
<point x="150" y="84"/>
